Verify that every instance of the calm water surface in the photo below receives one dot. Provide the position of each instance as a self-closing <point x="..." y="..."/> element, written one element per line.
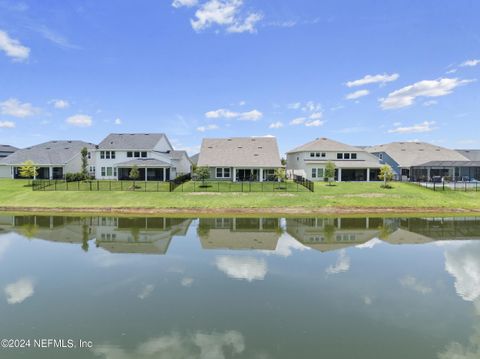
<point x="217" y="288"/>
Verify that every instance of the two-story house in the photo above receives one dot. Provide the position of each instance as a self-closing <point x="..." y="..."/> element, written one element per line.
<point x="351" y="163"/>
<point x="151" y="153"/>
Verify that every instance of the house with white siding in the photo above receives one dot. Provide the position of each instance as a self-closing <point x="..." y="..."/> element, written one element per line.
<point x="151" y="153"/>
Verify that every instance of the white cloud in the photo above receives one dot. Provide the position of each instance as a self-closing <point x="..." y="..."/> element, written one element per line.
<point x="277" y="124"/>
<point x="252" y="115"/>
<point x="425" y="126"/>
<point x="312" y="120"/>
<point x="311" y="106"/>
<point x="294" y="106"/>
<point x="357" y="94"/>
<point x="370" y="244"/>
<point x="60" y="104"/>
<point x="428" y="88"/>
<point x="18" y="291"/>
<point x="4" y="244"/>
<point x="13" y="48"/>
<point x="79" y="120"/>
<point x="186" y="3"/>
<point x="471" y="63"/>
<point x="412" y="283"/>
<point x="198" y="345"/>
<point x="316" y="116"/>
<point x="430" y="103"/>
<point x="463" y="263"/>
<point x="13" y="107"/>
<point x="118" y="121"/>
<point x="207" y="128"/>
<point x="298" y="121"/>
<point x="226" y="13"/>
<point x="342" y="264"/>
<point x="286" y="245"/>
<point x="7" y="124"/>
<point x="187" y="281"/>
<point x="146" y="291"/>
<point x="314" y="123"/>
<point x="371" y="79"/>
<point x="248" y="268"/>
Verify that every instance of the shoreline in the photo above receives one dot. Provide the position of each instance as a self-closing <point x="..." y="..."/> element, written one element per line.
<point x="275" y="211"/>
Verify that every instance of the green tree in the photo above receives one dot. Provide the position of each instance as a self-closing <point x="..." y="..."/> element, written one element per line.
<point x="134" y="175"/>
<point x="28" y="170"/>
<point x="203" y="174"/>
<point x="330" y="171"/>
<point x="283" y="161"/>
<point x="84" y="153"/>
<point x="386" y="174"/>
<point x="280" y="174"/>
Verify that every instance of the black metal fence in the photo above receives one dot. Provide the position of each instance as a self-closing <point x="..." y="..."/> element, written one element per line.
<point x="179" y="181"/>
<point x="304" y="182"/>
<point x="103" y="185"/>
<point x="240" y="186"/>
<point x="450" y="186"/>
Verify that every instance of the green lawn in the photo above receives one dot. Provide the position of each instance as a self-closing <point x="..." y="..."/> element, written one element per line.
<point x="16" y="193"/>
<point x="228" y="186"/>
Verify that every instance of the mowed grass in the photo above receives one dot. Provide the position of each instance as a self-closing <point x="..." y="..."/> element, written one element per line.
<point x="142" y="186"/>
<point x="17" y="193"/>
<point x="228" y="186"/>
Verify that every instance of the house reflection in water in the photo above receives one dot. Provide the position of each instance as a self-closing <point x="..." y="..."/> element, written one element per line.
<point x="239" y="233"/>
<point x="139" y="235"/>
<point x="449" y="228"/>
<point x="328" y="234"/>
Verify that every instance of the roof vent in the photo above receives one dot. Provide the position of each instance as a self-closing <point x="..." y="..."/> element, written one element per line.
<point x="256" y="154"/>
<point x="229" y="139"/>
<point x="210" y="147"/>
<point x="69" y="141"/>
<point x="239" y="147"/>
<point x="260" y="147"/>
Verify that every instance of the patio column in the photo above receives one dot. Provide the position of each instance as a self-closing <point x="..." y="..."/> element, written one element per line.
<point x="50" y="172"/>
<point x="146" y="174"/>
<point x="368" y="174"/>
<point x="428" y="174"/>
<point x="234" y="174"/>
<point x="163" y="172"/>
<point x="261" y="174"/>
<point x="339" y="175"/>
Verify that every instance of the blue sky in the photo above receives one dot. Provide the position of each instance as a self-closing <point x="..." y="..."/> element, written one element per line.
<point x="361" y="72"/>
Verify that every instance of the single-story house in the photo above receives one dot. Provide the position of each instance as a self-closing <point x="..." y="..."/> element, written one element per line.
<point x="151" y="153"/>
<point x="53" y="159"/>
<point x="351" y="163"/>
<point x="420" y="161"/>
<point x="240" y="158"/>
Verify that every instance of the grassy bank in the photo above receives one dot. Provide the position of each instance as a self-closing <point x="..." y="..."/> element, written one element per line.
<point x="15" y="194"/>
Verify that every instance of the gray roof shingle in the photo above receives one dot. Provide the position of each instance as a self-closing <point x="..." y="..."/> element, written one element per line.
<point x="131" y="141"/>
<point x="324" y="144"/>
<point x="144" y="162"/>
<point x="48" y="153"/>
<point x="239" y="152"/>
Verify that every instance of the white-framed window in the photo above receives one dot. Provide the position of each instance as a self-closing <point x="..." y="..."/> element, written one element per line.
<point x="312" y="154"/>
<point x="346" y="156"/>
<point x="107" y="155"/>
<point x="222" y="172"/>
<point x="380" y="155"/>
<point x="89" y="155"/>
<point x="144" y="154"/>
<point x="353" y="156"/>
<point x="92" y="169"/>
<point x="323" y="154"/>
<point x="129" y="154"/>
<point x="103" y="171"/>
<point x="314" y="173"/>
<point x="339" y="156"/>
<point x="109" y="171"/>
<point x="102" y="154"/>
<point x="115" y="171"/>
<point x="320" y="173"/>
<point x="113" y="155"/>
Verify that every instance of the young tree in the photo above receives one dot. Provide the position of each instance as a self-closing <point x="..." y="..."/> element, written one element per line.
<point x="280" y="174"/>
<point x="386" y="174"/>
<point x="202" y="173"/>
<point x="330" y="171"/>
<point x="134" y="175"/>
<point x="28" y="170"/>
<point x="84" y="153"/>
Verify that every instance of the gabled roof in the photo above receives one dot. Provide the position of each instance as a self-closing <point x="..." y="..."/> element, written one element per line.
<point x="473" y="155"/>
<point x="194" y="158"/>
<point x="144" y="162"/>
<point x="48" y="153"/>
<point x="8" y="148"/>
<point x="239" y="152"/>
<point x="132" y="141"/>
<point x="408" y="154"/>
<point x="324" y="144"/>
<point x="177" y="155"/>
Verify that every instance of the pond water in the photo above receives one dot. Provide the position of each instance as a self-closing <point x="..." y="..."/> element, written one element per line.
<point x="241" y="287"/>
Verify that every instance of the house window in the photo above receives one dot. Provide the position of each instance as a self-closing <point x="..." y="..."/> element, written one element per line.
<point x="113" y="155"/>
<point x="320" y="172"/>
<point x="107" y="155"/>
<point x="144" y="154"/>
<point x="109" y="171"/>
<point x="92" y="169"/>
<point x="323" y="154"/>
<point x="380" y="155"/>
<point x="312" y="154"/>
<point x="136" y="154"/>
<point x="346" y="156"/>
<point x="115" y="171"/>
<point x="405" y="172"/>
<point x="222" y="172"/>
<point x="317" y="154"/>
<point x="102" y="155"/>
<point x="314" y="173"/>
<point x="129" y="154"/>
<point x="354" y="156"/>
<point x="103" y="171"/>
<point x="339" y="156"/>
<point x="298" y="159"/>
<point x="89" y="155"/>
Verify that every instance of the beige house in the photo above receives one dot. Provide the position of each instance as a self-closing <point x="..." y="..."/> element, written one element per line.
<point x="351" y="163"/>
<point x="240" y="158"/>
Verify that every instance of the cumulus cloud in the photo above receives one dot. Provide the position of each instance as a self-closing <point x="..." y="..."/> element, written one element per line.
<point x="298" y="121"/>
<point x="13" y="107"/>
<point x="79" y="120"/>
<point x="314" y="123"/>
<point x="207" y="128"/>
<point x="4" y="245"/>
<point x="248" y="268"/>
<point x="277" y="124"/>
<point x="146" y="291"/>
<point x="313" y="120"/>
<point x="286" y="245"/>
<point x="425" y="126"/>
<point x="463" y="263"/>
<point x="60" y="104"/>
<point x="118" y="121"/>
<point x="186" y="3"/>
<point x="427" y="88"/>
<point x="13" y="48"/>
<point x="253" y="115"/>
<point x="357" y="94"/>
<point x="372" y="79"/>
<point x="471" y="63"/>
<point x="199" y="345"/>
<point x="7" y="124"/>
<point x="227" y="14"/>
<point x="187" y="281"/>
<point x="414" y="284"/>
<point x="18" y="291"/>
<point x="342" y="264"/>
<point x="370" y="244"/>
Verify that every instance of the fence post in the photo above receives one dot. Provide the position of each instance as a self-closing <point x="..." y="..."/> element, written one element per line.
<point x="218" y="186"/>
<point x="465" y="186"/>
<point x="55" y="185"/>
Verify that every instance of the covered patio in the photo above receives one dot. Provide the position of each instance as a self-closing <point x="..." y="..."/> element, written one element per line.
<point x="44" y="172"/>
<point x="451" y="170"/>
<point x="254" y="174"/>
<point x="149" y="169"/>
